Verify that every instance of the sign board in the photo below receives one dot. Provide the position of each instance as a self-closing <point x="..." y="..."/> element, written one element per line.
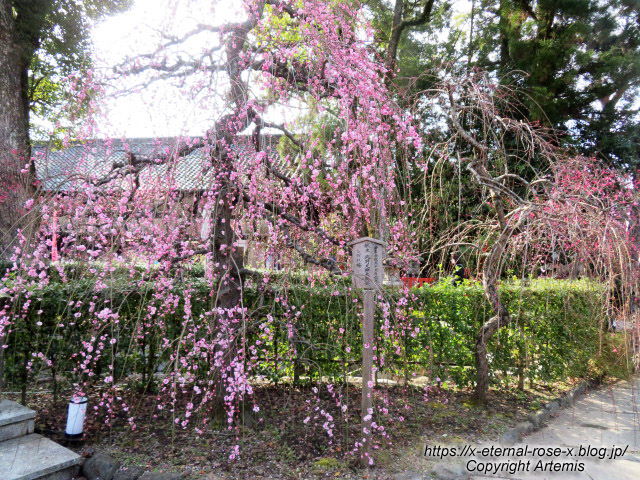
<point x="241" y="246"/>
<point x="205" y="229"/>
<point x="366" y="263"/>
<point x="367" y="255"/>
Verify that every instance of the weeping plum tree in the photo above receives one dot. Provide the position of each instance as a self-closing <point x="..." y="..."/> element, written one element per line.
<point x="331" y="182"/>
<point x="539" y="198"/>
<point x="40" y="41"/>
<point x="585" y="218"/>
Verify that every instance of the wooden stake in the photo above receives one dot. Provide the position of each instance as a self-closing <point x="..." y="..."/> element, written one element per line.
<point x="367" y="375"/>
<point x="368" y="274"/>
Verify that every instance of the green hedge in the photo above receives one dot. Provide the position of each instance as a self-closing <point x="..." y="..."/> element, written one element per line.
<point x="555" y="333"/>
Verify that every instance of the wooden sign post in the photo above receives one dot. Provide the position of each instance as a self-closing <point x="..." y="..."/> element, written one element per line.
<point x="368" y="274"/>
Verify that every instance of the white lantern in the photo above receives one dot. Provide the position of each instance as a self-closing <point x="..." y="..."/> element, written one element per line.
<point x="75" y="417"/>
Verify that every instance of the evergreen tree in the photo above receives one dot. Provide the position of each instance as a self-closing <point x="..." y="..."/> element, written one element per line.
<point x="577" y="63"/>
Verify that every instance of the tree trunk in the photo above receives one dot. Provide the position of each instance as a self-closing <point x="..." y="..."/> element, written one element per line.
<point x="16" y="187"/>
<point x="503" y="27"/>
<point x="490" y="277"/>
<point x="394" y="40"/>
<point x="228" y="264"/>
<point x="398" y="25"/>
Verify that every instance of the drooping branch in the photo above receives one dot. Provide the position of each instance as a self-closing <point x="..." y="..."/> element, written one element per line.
<point x="475" y="103"/>
<point x="135" y="162"/>
<point x="483" y="178"/>
<point x="207" y="194"/>
<point x="327" y="263"/>
<point x="278" y="211"/>
<point x="264" y="124"/>
<point x="469" y="138"/>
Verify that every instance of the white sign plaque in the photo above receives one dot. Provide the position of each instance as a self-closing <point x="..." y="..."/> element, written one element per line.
<point x="205" y="229"/>
<point x="366" y="262"/>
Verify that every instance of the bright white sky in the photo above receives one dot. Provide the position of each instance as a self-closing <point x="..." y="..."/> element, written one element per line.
<point x="163" y="110"/>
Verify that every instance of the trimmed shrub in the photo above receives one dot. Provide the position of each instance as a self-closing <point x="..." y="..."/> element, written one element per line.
<point x="302" y="331"/>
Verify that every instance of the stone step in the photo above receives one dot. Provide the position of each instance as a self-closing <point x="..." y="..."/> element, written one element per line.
<point x="35" y="457"/>
<point x="15" y="420"/>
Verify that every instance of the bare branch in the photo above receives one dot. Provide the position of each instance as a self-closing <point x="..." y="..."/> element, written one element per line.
<point x="326" y="263"/>
<point x="482" y="149"/>
<point x="278" y="211"/>
<point x="260" y="121"/>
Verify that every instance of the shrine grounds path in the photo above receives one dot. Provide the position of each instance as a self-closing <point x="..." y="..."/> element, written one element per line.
<point x="607" y="417"/>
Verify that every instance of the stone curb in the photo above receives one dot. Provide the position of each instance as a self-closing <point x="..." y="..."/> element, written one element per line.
<point x="100" y="466"/>
<point x="536" y="420"/>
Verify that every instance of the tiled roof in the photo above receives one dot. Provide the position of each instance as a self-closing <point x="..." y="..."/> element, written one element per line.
<point x="65" y="169"/>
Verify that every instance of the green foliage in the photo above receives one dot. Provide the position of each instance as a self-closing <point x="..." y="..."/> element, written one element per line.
<point x="577" y="63"/>
<point x="325" y="464"/>
<point x="314" y="332"/>
<point x="555" y="329"/>
<point x="615" y="357"/>
<point x="54" y="36"/>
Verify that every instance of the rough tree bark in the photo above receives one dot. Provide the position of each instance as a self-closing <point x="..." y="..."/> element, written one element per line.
<point x="490" y="277"/>
<point x="15" y="186"/>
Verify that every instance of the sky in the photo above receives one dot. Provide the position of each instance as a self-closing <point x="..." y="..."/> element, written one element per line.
<point x="163" y="109"/>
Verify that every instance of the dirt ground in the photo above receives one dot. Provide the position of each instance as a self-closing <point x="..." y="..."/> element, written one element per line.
<point x="276" y="443"/>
